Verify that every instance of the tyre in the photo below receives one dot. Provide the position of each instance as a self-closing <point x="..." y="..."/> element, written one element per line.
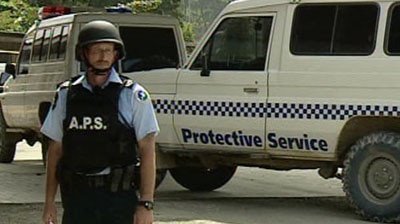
<point x="7" y="146"/>
<point x="371" y="177"/>
<point x="202" y="179"/>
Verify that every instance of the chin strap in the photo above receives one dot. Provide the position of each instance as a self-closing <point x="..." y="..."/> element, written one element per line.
<point x="99" y="72"/>
<point x="96" y="71"/>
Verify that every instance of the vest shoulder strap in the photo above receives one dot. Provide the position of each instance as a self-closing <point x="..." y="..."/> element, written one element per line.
<point x="127" y="82"/>
<point x="67" y="83"/>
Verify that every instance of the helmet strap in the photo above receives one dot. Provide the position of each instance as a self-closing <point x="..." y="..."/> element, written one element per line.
<point x="99" y="72"/>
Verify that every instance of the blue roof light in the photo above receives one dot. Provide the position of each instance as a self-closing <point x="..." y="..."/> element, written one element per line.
<point x="119" y="9"/>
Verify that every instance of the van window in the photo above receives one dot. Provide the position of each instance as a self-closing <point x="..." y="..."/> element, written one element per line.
<point x="393" y="39"/>
<point x="26" y="50"/>
<point x="239" y="43"/>
<point x="41" y="45"/>
<point x="340" y="29"/>
<point x="46" y="43"/>
<point x="63" y="45"/>
<point x="59" y="43"/>
<point x="37" y="45"/>
<point x="149" y="48"/>
<point x="25" y="54"/>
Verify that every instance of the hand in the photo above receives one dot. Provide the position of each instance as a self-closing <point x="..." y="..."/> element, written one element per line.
<point x="50" y="213"/>
<point x="143" y="216"/>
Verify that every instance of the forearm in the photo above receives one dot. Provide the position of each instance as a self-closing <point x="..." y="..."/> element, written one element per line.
<point x="147" y="168"/>
<point x="53" y="157"/>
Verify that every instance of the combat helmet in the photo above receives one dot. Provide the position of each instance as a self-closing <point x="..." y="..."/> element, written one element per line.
<point x="99" y="31"/>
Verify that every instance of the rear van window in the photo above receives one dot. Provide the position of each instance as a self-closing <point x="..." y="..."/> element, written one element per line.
<point x="334" y="29"/>
<point x="393" y="34"/>
<point x="149" y="48"/>
<point x="59" y="43"/>
<point x="50" y="44"/>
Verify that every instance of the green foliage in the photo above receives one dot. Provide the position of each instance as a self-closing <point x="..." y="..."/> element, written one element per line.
<point x="194" y="15"/>
<point x="170" y="7"/>
<point x="201" y="13"/>
<point x="144" y="6"/>
<point x="188" y="32"/>
<point x="16" y="15"/>
<point x="164" y="7"/>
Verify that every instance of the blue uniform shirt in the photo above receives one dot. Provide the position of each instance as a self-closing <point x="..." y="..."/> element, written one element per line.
<point x="134" y="105"/>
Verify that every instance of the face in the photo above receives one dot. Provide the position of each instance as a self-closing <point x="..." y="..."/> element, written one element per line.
<point x="101" y="55"/>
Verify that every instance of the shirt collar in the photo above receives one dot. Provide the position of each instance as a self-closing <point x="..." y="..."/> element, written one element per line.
<point x="114" y="77"/>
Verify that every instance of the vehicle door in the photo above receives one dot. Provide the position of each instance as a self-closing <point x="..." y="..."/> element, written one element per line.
<point x="47" y="69"/>
<point x="13" y="108"/>
<point x="221" y="95"/>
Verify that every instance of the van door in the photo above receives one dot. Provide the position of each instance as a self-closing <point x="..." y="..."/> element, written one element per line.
<point x="12" y="100"/>
<point x="47" y="69"/>
<point x="221" y="96"/>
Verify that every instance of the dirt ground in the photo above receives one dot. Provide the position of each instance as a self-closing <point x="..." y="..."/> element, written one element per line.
<point x="24" y="213"/>
<point x="253" y="196"/>
<point x="333" y="210"/>
<point x="32" y="214"/>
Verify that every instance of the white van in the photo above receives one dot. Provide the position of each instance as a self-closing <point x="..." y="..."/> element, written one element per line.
<point x="289" y="84"/>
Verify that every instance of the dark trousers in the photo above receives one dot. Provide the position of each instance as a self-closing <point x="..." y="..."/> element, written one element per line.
<point x="99" y="206"/>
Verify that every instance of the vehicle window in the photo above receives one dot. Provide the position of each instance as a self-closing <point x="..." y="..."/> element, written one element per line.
<point x="26" y="51"/>
<point x="339" y="29"/>
<point x="393" y="39"/>
<point x="55" y="43"/>
<point x="59" y="43"/>
<point x="37" y="46"/>
<point x="145" y="51"/>
<point x="46" y="43"/>
<point x="63" y="43"/>
<point x="25" y="55"/>
<point x="41" y="45"/>
<point x="238" y="44"/>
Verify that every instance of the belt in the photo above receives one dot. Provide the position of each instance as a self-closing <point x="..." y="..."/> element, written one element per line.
<point x="105" y="171"/>
<point x="116" y="179"/>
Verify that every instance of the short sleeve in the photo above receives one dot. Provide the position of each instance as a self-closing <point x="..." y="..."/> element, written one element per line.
<point x="144" y="118"/>
<point x="53" y="124"/>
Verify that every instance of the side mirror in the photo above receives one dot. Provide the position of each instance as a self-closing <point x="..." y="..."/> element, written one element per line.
<point x="205" y="72"/>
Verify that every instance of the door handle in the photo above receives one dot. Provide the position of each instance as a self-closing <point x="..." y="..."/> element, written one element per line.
<point x="250" y="90"/>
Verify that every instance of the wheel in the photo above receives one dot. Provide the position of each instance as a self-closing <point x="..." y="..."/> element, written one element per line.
<point x="160" y="175"/>
<point x="202" y="179"/>
<point x="371" y="177"/>
<point x="45" y="149"/>
<point x="7" y="146"/>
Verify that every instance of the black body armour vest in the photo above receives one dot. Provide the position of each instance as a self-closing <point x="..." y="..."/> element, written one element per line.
<point x="94" y="138"/>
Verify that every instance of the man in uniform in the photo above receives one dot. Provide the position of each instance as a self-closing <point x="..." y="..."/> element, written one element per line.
<point x="95" y="124"/>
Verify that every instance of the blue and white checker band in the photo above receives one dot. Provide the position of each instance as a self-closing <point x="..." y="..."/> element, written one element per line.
<point x="272" y="110"/>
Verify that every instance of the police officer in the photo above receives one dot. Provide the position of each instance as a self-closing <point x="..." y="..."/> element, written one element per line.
<point x="95" y="124"/>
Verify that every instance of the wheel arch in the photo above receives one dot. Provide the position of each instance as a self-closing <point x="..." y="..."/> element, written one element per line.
<point x="359" y="126"/>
